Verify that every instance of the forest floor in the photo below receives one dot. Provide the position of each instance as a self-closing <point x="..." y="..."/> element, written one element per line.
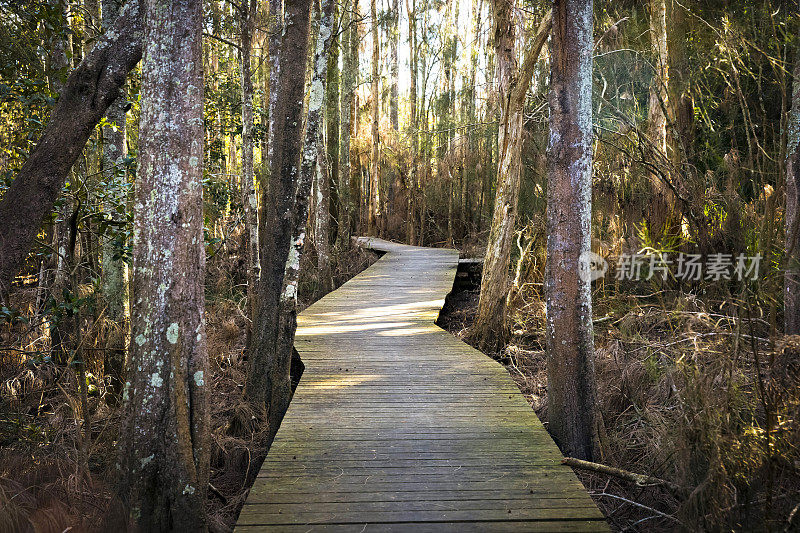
<point x="679" y="399"/>
<point x="680" y="395"/>
<point x="57" y="459"/>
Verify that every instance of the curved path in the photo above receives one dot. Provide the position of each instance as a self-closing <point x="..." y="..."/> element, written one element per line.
<point x="396" y="425"/>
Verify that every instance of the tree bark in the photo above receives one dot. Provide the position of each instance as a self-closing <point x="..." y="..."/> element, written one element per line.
<point x="374" y="178"/>
<point x="62" y="259"/>
<point x="115" y="282"/>
<point x="660" y="213"/>
<point x="489" y="327"/>
<point x="570" y="349"/>
<point x="332" y="118"/>
<point x="311" y="168"/>
<point x="394" y="39"/>
<point x="349" y="17"/>
<point x="792" y="276"/>
<point x="277" y="21"/>
<point x="413" y="124"/>
<point x="165" y="439"/>
<point x="680" y="135"/>
<point x="247" y="17"/>
<point x="268" y="380"/>
<point x="90" y="89"/>
<point x="355" y="163"/>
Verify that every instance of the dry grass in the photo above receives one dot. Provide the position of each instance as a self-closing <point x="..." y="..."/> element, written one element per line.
<point x="55" y="474"/>
<point x="687" y="392"/>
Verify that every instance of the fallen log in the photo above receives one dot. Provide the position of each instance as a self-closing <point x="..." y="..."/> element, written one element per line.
<point x="641" y="480"/>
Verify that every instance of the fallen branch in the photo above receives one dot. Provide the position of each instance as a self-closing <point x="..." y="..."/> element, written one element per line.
<point x="641" y="506"/>
<point x="215" y="491"/>
<point x="639" y="479"/>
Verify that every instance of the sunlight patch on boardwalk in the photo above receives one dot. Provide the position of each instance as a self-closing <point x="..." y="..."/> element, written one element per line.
<point x="396" y="425"/>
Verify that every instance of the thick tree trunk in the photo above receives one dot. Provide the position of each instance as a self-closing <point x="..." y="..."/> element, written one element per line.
<point x="115" y="285"/>
<point x="268" y="380"/>
<point x="570" y="350"/>
<point x="489" y="327"/>
<point x="89" y="90"/>
<point x="374" y="178"/>
<point x="792" y="276"/>
<point x="165" y="439"/>
<point x="247" y="16"/>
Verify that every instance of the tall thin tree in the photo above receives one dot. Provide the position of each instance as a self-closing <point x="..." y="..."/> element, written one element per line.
<point x="660" y="213"/>
<point x="349" y="76"/>
<point x="792" y="276"/>
<point x="332" y="119"/>
<point x="115" y="276"/>
<point x="513" y="84"/>
<point x="374" y="178"/>
<point x="248" y="10"/>
<point x="413" y="123"/>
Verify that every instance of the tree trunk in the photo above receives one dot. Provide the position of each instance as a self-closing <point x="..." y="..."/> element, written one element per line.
<point x="468" y="206"/>
<point x="61" y="259"/>
<point x="247" y="17"/>
<point x="268" y="381"/>
<point x="413" y="123"/>
<point x="323" y="175"/>
<point x="349" y="17"/>
<point x="374" y="178"/>
<point x="570" y="351"/>
<point x="165" y="439"/>
<point x="680" y="101"/>
<point x="115" y="283"/>
<point x="322" y="218"/>
<point x="332" y="133"/>
<point x="355" y="164"/>
<point x="792" y="276"/>
<point x="394" y="39"/>
<point x="90" y="89"/>
<point x="448" y="186"/>
<point x="277" y="21"/>
<point x="489" y="327"/>
<point x="313" y="161"/>
<point x="660" y="213"/>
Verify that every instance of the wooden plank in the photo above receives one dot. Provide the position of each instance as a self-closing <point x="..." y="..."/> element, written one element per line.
<point x="442" y="527"/>
<point x="257" y="517"/>
<point x="398" y="426"/>
<point x="397" y="495"/>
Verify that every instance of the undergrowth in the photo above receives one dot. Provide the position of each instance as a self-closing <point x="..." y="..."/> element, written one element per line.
<point x="57" y="455"/>
<point x="694" y="387"/>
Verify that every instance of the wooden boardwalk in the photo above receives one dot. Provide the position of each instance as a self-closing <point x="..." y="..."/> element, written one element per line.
<point x="396" y="425"/>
